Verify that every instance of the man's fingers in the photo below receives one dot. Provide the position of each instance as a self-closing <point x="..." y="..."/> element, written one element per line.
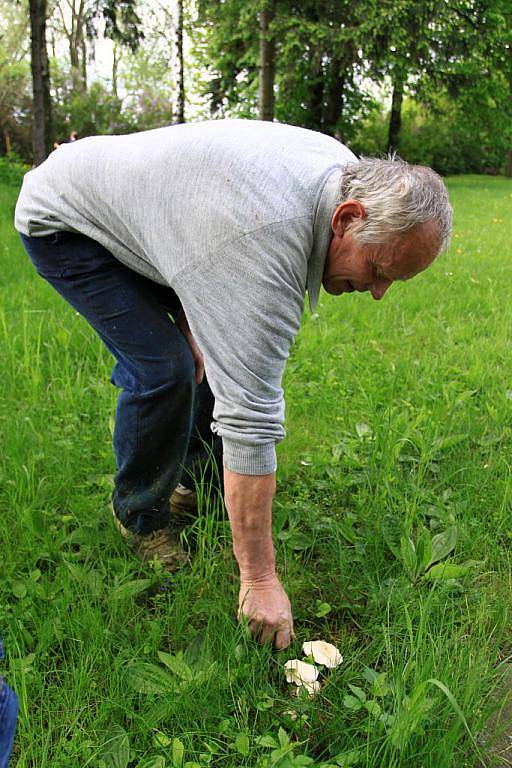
<point x="280" y="637"/>
<point x="261" y="632"/>
<point x="283" y="639"/>
<point x="266" y="635"/>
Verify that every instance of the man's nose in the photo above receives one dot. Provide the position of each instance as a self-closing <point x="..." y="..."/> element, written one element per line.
<point x="379" y="289"/>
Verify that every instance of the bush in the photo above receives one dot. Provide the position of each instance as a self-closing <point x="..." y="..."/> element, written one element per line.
<point x="470" y="134"/>
<point x="12" y="170"/>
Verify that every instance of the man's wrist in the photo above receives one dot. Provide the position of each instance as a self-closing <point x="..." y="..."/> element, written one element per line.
<point x="255" y="577"/>
<point x="254" y="553"/>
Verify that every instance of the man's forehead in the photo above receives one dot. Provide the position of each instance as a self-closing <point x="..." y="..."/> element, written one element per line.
<point x="403" y="268"/>
<point x="408" y="255"/>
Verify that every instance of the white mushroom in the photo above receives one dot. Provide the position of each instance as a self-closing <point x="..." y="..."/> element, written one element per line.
<point x="299" y="672"/>
<point x="311" y="688"/>
<point x="323" y="653"/>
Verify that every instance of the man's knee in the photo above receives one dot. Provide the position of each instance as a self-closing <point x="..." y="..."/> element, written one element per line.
<point x="156" y="374"/>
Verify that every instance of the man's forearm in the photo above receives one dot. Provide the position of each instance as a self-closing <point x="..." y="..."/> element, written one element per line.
<point x="262" y="599"/>
<point x="249" y="504"/>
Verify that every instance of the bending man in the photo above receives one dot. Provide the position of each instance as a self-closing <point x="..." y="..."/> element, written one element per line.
<point x="223" y="226"/>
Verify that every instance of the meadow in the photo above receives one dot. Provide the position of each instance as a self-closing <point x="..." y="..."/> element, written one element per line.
<point x="392" y="527"/>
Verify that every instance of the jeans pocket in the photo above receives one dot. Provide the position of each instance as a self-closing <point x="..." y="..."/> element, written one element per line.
<point x="50" y="254"/>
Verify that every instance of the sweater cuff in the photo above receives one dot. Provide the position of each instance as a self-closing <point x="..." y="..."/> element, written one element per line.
<point x="249" y="459"/>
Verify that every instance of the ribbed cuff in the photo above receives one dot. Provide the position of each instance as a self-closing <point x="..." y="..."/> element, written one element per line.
<point x="249" y="459"/>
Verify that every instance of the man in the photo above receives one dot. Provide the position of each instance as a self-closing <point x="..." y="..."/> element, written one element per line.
<point x="238" y="220"/>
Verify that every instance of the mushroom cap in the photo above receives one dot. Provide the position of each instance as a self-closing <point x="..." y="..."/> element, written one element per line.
<point x="323" y="653"/>
<point x="300" y="672"/>
<point x="311" y="688"/>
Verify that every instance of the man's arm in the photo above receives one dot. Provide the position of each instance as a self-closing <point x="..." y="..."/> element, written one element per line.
<point x="262" y="598"/>
<point x="248" y="499"/>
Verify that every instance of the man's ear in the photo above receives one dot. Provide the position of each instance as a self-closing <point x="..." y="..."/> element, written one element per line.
<point x="345" y="214"/>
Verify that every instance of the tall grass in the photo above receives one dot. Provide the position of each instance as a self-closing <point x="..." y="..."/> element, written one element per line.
<point x="398" y="419"/>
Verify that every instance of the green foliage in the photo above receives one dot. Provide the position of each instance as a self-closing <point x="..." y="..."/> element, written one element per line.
<point x="15" y="89"/>
<point x="471" y="134"/>
<point x="318" y="61"/>
<point x="122" y="24"/>
<point x="146" y="101"/>
<point x="95" y="111"/>
<point x="449" y="58"/>
<point x="398" y="408"/>
<point x="148" y="83"/>
<point x="421" y="557"/>
<point x="336" y="66"/>
<point x="12" y="170"/>
<point x="226" y="48"/>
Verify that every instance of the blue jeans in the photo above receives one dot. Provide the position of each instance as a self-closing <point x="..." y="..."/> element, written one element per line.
<point x="8" y="717"/>
<point x="162" y="430"/>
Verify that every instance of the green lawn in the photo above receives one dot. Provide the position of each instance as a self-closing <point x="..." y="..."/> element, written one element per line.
<point x="399" y="431"/>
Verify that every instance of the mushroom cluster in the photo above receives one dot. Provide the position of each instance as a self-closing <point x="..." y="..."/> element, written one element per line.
<point x="305" y="675"/>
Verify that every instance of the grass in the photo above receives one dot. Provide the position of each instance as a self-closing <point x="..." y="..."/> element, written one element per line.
<point x="398" y="418"/>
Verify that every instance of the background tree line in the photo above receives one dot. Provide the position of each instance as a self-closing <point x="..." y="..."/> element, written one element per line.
<point x="429" y="78"/>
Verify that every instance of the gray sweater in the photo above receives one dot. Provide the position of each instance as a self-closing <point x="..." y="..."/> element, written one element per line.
<point x="235" y="216"/>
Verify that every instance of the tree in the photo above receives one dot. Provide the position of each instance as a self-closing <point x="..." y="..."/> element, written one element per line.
<point x="226" y="48"/>
<point x="75" y="17"/>
<point x="15" y="80"/>
<point x="428" y="46"/>
<point x="78" y="22"/>
<point x="315" y="48"/>
<point x="180" y="100"/>
<point x="41" y="131"/>
<point x="267" y="63"/>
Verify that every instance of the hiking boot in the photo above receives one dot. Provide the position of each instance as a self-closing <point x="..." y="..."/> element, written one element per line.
<point x="183" y="504"/>
<point x="162" y="545"/>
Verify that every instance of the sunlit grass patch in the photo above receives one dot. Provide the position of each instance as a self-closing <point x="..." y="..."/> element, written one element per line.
<point x="392" y="527"/>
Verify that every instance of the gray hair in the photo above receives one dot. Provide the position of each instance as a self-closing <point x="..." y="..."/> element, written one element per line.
<point x="397" y="197"/>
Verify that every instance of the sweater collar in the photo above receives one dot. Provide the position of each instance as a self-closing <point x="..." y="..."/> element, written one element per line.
<point x="322" y="234"/>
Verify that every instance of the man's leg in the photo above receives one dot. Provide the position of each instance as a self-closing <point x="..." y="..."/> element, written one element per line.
<point x="203" y="462"/>
<point x="155" y="410"/>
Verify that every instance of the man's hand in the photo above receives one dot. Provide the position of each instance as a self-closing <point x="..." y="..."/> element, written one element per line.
<point x="266" y="606"/>
<point x="197" y="355"/>
<point x="262" y="599"/>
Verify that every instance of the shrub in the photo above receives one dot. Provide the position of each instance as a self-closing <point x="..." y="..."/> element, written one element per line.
<point x="12" y="170"/>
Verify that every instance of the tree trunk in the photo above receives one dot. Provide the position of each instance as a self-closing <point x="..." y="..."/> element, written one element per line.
<point x="180" y="102"/>
<point x="83" y="51"/>
<point x="76" y="66"/>
<point x="115" y="70"/>
<point x="267" y="62"/>
<point x="508" y="164"/>
<point x="41" y="126"/>
<point x="315" y="103"/>
<point x="7" y="146"/>
<point x="333" y="107"/>
<point x="395" y="120"/>
<point x="76" y="42"/>
<point x="508" y="167"/>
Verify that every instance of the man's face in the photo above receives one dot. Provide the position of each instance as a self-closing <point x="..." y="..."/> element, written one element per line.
<point x="353" y="267"/>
